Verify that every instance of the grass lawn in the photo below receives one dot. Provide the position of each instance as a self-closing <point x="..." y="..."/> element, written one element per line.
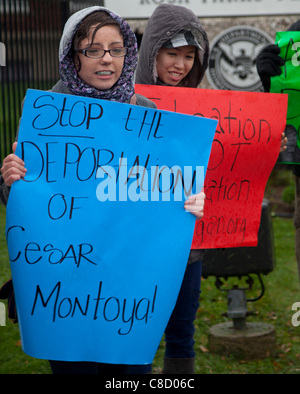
<point x="282" y="290"/>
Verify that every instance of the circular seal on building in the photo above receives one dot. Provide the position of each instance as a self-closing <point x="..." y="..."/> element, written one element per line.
<point x="232" y="64"/>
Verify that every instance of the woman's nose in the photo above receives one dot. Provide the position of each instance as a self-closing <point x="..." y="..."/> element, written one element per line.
<point x="179" y="62"/>
<point x="107" y="58"/>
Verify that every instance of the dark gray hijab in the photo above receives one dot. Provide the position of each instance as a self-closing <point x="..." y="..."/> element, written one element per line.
<point x="166" y="22"/>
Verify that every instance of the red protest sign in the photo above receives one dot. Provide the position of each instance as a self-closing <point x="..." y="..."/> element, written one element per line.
<point x="244" y="152"/>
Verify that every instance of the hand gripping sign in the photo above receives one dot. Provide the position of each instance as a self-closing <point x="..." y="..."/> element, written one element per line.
<point x="97" y="233"/>
<point x="244" y="152"/>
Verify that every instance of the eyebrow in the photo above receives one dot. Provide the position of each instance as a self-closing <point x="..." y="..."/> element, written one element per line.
<point x="97" y="43"/>
<point x="117" y="42"/>
<point x="112" y="43"/>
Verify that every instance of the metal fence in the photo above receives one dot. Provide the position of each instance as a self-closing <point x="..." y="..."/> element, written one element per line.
<point x="30" y="32"/>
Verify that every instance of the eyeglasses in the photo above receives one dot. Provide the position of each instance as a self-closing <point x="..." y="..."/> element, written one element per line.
<point x="96" y="53"/>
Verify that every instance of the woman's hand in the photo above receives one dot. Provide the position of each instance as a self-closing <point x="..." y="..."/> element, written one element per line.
<point x="13" y="168"/>
<point x="195" y="205"/>
<point x="284" y="141"/>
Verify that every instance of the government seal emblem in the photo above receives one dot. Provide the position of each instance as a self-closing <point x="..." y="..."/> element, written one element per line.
<point x="232" y="64"/>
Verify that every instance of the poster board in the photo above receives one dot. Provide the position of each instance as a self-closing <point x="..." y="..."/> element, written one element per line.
<point x="289" y="83"/>
<point x="244" y="152"/>
<point x="97" y="269"/>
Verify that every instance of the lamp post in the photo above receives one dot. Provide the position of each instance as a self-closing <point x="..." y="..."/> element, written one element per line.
<point x="238" y="337"/>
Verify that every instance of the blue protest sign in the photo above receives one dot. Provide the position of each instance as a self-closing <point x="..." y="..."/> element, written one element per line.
<point x="97" y="234"/>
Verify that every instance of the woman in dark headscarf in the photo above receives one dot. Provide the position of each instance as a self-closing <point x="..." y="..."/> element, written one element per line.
<point x="174" y="52"/>
<point x="173" y="28"/>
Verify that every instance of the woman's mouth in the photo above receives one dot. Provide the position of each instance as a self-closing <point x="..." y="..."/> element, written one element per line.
<point x="104" y="74"/>
<point x="175" y="76"/>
